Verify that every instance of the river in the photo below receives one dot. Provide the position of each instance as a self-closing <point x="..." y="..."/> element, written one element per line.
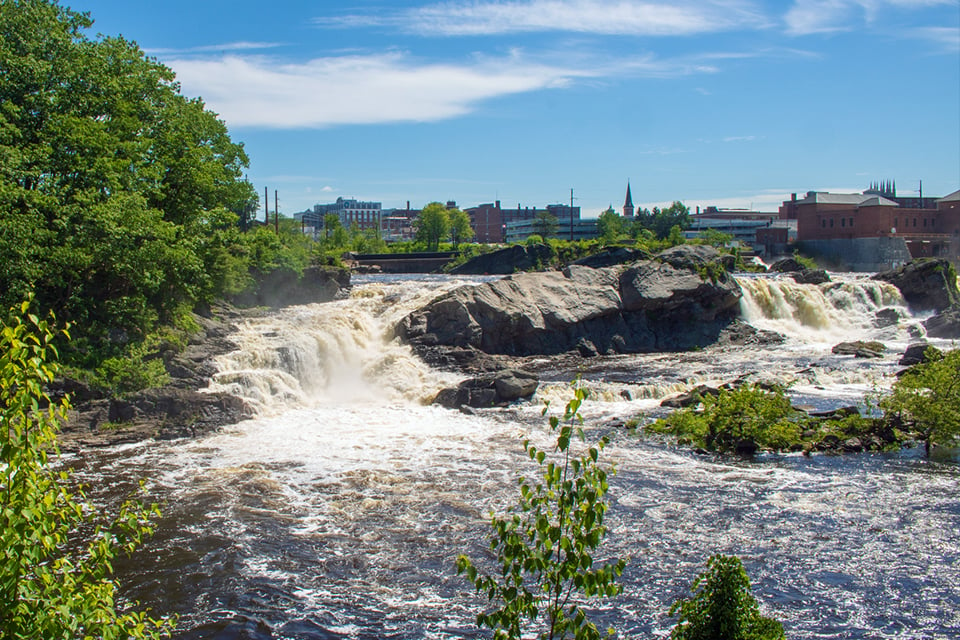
<point x="338" y="512"/>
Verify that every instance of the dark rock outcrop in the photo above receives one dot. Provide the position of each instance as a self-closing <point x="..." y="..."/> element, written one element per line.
<point x="489" y="390"/>
<point x="887" y="317"/>
<point x="512" y="259"/>
<point x="860" y="349"/>
<point x="810" y="276"/>
<point x="926" y="285"/>
<point x="944" y="325"/>
<point x="649" y="306"/>
<point x="613" y="256"/>
<point x="917" y="353"/>
<point x="283" y="287"/>
<point x="787" y="265"/>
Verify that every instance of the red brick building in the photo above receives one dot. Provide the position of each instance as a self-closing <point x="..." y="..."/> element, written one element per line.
<point x="933" y="230"/>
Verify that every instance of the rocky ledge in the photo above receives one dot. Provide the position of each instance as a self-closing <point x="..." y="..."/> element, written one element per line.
<point x="183" y="407"/>
<point x="681" y="300"/>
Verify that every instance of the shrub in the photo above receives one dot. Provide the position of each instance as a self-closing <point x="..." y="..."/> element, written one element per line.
<point x="55" y="550"/>
<point x="722" y="607"/>
<point x="545" y="545"/>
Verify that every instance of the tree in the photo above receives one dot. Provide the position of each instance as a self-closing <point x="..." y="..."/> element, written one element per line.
<point x="545" y="224"/>
<point x="55" y="550"/>
<point x="331" y="222"/>
<point x="432" y="225"/>
<point x="722" y="607"/>
<point x="545" y="545"/>
<point x="926" y="398"/>
<point x="115" y="190"/>
<point x="660" y="222"/>
<point x="609" y="225"/>
<point x="460" y="229"/>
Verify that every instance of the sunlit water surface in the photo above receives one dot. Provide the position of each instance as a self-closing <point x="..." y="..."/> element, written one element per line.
<point x="339" y="512"/>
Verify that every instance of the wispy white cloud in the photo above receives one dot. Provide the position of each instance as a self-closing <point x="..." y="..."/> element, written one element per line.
<point x="215" y="48"/>
<point x="487" y="17"/>
<point x="258" y="91"/>
<point x="947" y="39"/>
<point x="827" y="16"/>
<point x="740" y="138"/>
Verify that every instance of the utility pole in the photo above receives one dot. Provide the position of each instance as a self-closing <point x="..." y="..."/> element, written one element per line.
<point x="276" y="212"/>
<point x="266" y="205"/>
<point x="571" y="214"/>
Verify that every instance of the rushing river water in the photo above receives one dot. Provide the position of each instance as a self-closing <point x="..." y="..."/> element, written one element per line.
<point x="339" y="511"/>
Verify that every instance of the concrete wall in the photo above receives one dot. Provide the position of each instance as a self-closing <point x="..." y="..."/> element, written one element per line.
<point x="858" y="254"/>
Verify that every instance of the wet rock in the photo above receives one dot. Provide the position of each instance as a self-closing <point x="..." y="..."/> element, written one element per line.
<point x="512" y="259"/>
<point x="944" y="325"/>
<point x="689" y="257"/>
<point x="917" y="353"/>
<point x="810" y="276"/>
<point x="927" y="284"/>
<point x="586" y="348"/>
<point x="691" y="398"/>
<point x="283" y="287"/>
<point x="860" y="349"/>
<point x="489" y="390"/>
<point x="887" y="317"/>
<point x="787" y="265"/>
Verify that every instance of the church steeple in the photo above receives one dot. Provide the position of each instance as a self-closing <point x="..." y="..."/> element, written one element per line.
<point x="628" y="203"/>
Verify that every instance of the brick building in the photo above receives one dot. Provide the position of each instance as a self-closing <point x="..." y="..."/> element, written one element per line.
<point x="489" y="221"/>
<point x="928" y="228"/>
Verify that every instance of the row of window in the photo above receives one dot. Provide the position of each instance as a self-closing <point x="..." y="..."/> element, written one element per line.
<point x="848" y="222"/>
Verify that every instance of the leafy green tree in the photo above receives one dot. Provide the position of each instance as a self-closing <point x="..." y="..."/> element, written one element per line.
<point x="722" y="607"/>
<point x="714" y="238"/>
<point x="545" y="546"/>
<point x="116" y="192"/>
<point x="55" y="550"/>
<point x="661" y="222"/>
<point x="432" y="225"/>
<point x="460" y="229"/>
<point x="926" y="399"/>
<point x="545" y="224"/>
<point x="609" y="225"/>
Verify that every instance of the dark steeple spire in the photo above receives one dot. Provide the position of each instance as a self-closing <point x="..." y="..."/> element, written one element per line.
<point x="628" y="203"/>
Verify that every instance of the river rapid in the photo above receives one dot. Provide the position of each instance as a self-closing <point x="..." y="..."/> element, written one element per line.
<point x="338" y="512"/>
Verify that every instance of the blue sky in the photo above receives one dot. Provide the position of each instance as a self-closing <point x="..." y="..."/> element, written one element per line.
<point x="735" y="103"/>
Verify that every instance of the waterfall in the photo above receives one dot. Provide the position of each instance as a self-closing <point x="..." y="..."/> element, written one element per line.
<point x="853" y="308"/>
<point x="335" y="353"/>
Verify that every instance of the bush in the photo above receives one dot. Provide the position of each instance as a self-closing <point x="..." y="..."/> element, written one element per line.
<point x="722" y="607"/>
<point x="545" y="545"/>
<point x="55" y="550"/>
<point x="738" y="419"/>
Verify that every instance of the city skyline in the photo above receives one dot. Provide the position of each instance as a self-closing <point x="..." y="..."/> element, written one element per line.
<point x="729" y="103"/>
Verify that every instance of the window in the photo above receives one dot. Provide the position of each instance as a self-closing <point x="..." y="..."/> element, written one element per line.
<point x="924" y="223"/>
<point x="831" y="223"/>
<point x="823" y="223"/>
<point x="851" y="222"/>
<point x="843" y="222"/>
<point x="895" y="222"/>
<point x="914" y="222"/>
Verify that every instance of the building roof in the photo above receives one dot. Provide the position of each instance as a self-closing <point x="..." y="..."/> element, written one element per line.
<point x="855" y="199"/>
<point x="629" y="201"/>
<point x="953" y="197"/>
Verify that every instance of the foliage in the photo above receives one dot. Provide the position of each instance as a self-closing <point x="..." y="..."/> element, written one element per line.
<point x="55" y="551"/>
<point x="747" y="414"/>
<point x="722" y="607"/>
<point x="714" y="238"/>
<point x="805" y="261"/>
<point x="460" y="229"/>
<point x="545" y="224"/>
<point x="120" y="199"/>
<point x="432" y="225"/>
<point x="926" y="399"/>
<point x="545" y="544"/>
<point x="660" y="222"/>
<point x="610" y="226"/>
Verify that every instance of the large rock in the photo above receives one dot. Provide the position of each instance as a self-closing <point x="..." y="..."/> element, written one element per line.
<point x="810" y="276"/>
<point x="283" y="287"/>
<point x="650" y="306"/>
<point x="490" y="390"/>
<point x="612" y="256"/>
<point x="860" y="349"/>
<point x="505" y="261"/>
<point x="917" y="353"/>
<point x="926" y="285"/>
<point x="944" y="325"/>
<point x="787" y="265"/>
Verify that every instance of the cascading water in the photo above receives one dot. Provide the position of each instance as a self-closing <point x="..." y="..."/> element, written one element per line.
<point x="339" y="511"/>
